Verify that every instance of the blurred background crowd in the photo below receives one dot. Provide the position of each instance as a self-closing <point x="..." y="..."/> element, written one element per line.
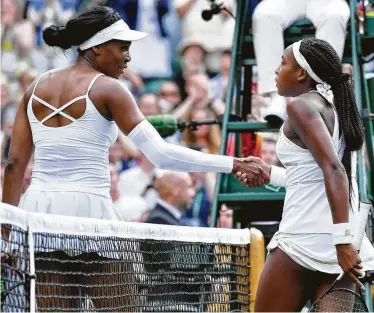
<point x="181" y="68"/>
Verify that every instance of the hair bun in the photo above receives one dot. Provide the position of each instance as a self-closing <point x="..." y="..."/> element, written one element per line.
<point x="55" y="36"/>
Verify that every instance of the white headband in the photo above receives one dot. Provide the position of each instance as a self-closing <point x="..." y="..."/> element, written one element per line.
<point x="119" y="30"/>
<point x="322" y="87"/>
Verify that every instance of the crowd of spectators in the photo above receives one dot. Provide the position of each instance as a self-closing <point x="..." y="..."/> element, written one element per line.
<point x="181" y="68"/>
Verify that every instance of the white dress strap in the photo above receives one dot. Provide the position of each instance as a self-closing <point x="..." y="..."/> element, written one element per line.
<point x="37" y="81"/>
<point x="93" y="81"/>
<point x="59" y="110"/>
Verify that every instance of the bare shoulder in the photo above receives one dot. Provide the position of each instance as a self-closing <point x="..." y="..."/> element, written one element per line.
<point x="303" y="108"/>
<point x="110" y="86"/>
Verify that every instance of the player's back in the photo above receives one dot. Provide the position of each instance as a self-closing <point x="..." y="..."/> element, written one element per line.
<point x="70" y="135"/>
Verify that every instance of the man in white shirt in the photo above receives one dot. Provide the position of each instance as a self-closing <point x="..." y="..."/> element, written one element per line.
<point x="215" y="35"/>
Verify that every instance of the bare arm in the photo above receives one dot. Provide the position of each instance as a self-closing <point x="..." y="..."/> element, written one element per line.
<point x="19" y="155"/>
<point x="305" y="120"/>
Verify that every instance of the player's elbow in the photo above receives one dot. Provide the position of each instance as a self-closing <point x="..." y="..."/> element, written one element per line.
<point x="14" y="166"/>
<point x="159" y="156"/>
<point x="333" y="169"/>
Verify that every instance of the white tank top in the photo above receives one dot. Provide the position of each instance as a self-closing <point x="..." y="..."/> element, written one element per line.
<point x="74" y="157"/>
<point x="306" y="207"/>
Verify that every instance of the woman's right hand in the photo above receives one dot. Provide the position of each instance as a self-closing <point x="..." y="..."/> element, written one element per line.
<point x="250" y="173"/>
<point x="350" y="262"/>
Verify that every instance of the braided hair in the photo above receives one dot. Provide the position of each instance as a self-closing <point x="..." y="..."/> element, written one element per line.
<point x="326" y="63"/>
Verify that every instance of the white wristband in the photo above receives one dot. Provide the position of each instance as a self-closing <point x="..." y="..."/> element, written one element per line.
<point x="341" y="233"/>
<point x="278" y="176"/>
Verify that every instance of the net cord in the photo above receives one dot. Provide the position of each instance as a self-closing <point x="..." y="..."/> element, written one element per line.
<point x="60" y="224"/>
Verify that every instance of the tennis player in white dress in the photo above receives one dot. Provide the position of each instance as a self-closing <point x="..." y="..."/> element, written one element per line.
<point x="318" y="146"/>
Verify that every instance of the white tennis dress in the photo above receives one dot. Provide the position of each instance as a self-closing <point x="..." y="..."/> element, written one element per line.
<point x="305" y="232"/>
<point x="71" y="167"/>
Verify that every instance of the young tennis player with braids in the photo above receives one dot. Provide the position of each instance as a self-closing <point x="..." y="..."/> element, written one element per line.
<point x="317" y="146"/>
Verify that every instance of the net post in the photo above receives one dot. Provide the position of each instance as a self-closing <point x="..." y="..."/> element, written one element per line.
<point x="257" y="261"/>
<point x="30" y="239"/>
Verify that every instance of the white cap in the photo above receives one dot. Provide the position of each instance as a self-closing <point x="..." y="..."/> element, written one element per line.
<point x="117" y="31"/>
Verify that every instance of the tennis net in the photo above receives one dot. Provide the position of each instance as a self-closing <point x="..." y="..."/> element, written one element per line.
<point x="59" y="263"/>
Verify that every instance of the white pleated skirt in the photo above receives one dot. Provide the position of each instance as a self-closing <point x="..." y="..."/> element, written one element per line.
<point x="70" y="203"/>
<point x="77" y="205"/>
<point x="317" y="251"/>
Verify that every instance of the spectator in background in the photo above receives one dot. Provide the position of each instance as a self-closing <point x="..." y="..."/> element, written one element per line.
<point x="225" y="218"/>
<point x="137" y="181"/>
<point x="131" y="208"/>
<point x="193" y="54"/>
<point x="220" y="81"/>
<point x="170" y="96"/>
<point x="4" y="92"/>
<point x="207" y="136"/>
<point x="215" y="35"/>
<point x="199" y="95"/>
<point x="117" y="156"/>
<point x="268" y="153"/>
<point x="271" y="18"/>
<point x="43" y="14"/>
<point x="176" y="192"/>
<point x="17" y="36"/>
<point x="199" y="211"/>
<point x="149" y="105"/>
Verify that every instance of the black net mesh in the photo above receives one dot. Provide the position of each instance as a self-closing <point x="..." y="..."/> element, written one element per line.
<point x="14" y="283"/>
<point x="126" y="267"/>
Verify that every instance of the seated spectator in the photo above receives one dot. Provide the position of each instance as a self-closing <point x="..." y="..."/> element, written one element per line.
<point x="43" y="14"/>
<point x="131" y="208"/>
<point x="192" y="57"/>
<point x="176" y="192"/>
<point x="225" y="218"/>
<point x="137" y="181"/>
<point x="207" y="136"/>
<point x="170" y="96"/>
<point x="17" y="36"/>
<point x="198" y="213"/>
<point x="220" y="81"/>
<point x="149" y="105"/>
<point x="268" y="153"/>
<point x="199" y="95"/>
<point x="118" y="156"/>
<point x="271" y="18"/>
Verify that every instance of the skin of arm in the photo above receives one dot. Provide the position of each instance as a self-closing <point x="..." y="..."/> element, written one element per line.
<point x="19" y="154"/>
